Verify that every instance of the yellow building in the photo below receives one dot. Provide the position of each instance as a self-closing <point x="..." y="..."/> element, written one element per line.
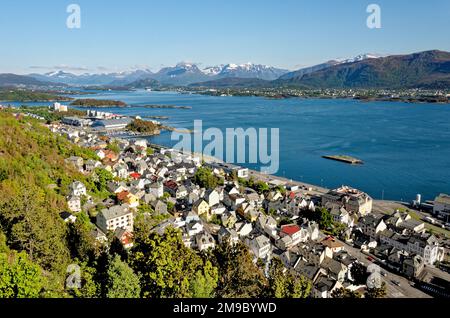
<point x="201" y="207"/>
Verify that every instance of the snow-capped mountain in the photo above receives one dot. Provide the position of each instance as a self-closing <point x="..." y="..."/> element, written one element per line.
<point x="359" y="58"/>
<point x="318" y="67"/>
<point x="247" y="70"/>
<point x="180" y="74"/>
<point x="213" y="70"/>
<point x="118" y="78"/>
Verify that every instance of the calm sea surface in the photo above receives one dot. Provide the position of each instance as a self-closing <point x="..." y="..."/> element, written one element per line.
<point x="405" y="147"/>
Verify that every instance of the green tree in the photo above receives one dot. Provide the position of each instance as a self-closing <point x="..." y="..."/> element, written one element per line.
<point x="166" y="266"/>
<point x="26" y="215"/>
<point x="283" y="284"/>
<point x="89" y="287"/>
<point x="19" y="277"/>
<point x="204" y="282"/>
<point x="114" y="147"/>
<point x="261" y="187"/>
<point x="122" y="281"/>
<point x="325" y="218"/>
<point x="345" y="293"/>
<point x="205" y="178"/>
<point x="81" y="244"/>
<point x="238" y="275"/>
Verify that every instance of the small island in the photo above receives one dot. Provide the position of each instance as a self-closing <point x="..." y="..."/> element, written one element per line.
<point x="144" y="127"/>
<point x="345" y="159"/>
<point x="90" y="102"/>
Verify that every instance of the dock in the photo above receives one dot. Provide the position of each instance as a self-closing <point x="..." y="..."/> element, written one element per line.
<point x="345" y="159"/>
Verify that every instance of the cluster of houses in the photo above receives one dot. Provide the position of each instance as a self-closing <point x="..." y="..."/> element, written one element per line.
<point x="399" y="241"/>
<point x="270" y="224"/>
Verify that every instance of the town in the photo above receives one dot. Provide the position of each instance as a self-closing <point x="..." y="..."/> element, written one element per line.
<point x="332" y="237"/>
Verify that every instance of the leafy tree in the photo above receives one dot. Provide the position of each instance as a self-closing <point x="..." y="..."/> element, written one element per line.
<point x="261" y="187"/>
<point x="170" y="206"/>
<point x="283" y="284"/>
<point x="238" y="275"/>
<point x="359" y="273"/>
<point x="377" y="292"/>
<point x="80" y="242"/>
<point x="114" y="147"/>
<point x="150" y="151"/>
<point x="325" y="218"/>
<point x="166" y="266"/>
<point x="99" y="181"/>
<point x="89" y="287"/>
<point x="122" y="281"/>
<point x="30" y="226"/>
<point x="345" y="293"/>
<point x="205" y="178"/>
<point x="19" y="277"/>
<point x="204" y="282"/>
<point x="3" y="246"/>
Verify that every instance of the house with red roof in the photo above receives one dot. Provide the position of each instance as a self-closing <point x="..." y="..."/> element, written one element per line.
<point x="293" y="231"/>
<point x="135" y="175"/>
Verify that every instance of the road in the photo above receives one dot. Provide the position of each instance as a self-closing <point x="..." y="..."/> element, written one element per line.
<point x="405" y="290"/>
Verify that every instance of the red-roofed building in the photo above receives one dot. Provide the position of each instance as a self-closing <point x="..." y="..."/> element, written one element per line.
<point x="127" y="197"/>
<point x="293" y="231"/>
<point x="135" y="175"/>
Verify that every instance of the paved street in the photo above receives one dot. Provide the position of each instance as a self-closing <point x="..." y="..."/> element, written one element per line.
<point x="405" y="290"/>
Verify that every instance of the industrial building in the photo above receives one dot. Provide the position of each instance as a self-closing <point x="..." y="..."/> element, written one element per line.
<point x="112" y="124"/>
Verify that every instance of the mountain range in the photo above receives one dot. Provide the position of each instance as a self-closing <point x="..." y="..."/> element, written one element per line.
<point x="429" y="69"/>
<point x="178" y="75"/>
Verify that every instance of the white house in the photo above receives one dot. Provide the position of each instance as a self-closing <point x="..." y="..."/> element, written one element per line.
<point x="205" y="241"/>
<point x="260" y="246"/>
<point x="118" y="216"/>
<point x="77" y="188"/>
<point x="212" y="197"/>
<point x="74" y="203"/>
<point x="157" y="189"/>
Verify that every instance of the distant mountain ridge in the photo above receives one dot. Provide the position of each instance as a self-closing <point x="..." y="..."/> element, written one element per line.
<point x="314" y="68"/>
<point x="178" y="75"/>
<point x="7" y="80"/>
<point x="429" y="69"/>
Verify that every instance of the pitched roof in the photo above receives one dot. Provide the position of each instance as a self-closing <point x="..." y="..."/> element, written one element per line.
<point x="115" y="211"/>
<point x="290" y="229"/>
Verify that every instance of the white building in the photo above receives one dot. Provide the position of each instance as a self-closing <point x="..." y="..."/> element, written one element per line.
<point x="442" y="206"/>
<point x="354" y="200"/>
<point x="157" y="189"/>
<point x="260" y="246"/>
<point x="74" y="204"/>
<point x="118" y="216"/>
<point x="59" y="107"/>
<point x="77" y="189"/>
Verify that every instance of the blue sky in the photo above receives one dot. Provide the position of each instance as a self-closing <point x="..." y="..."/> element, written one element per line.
<point x="121" y="35"/>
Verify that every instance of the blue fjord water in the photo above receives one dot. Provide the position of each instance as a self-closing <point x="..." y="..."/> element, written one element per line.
<point x="405" y="147"/>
